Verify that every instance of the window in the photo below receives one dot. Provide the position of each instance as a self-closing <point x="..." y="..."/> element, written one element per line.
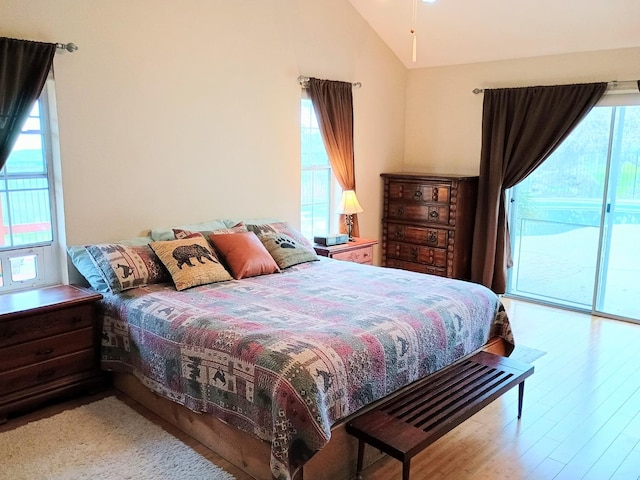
<point x="27" y="205"/>
<point x="320" y="191"/>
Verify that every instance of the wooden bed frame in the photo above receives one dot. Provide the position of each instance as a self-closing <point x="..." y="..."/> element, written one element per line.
<point x="336" y="461"/>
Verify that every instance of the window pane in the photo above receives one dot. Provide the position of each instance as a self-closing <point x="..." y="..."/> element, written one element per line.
<point x="27" y="157"/>
<point x="24" y="268"/>
<point x="316" y="178"/>
<point x="307" y="187"/>
<point x="32" y="124"/>
<point x="25" y="201"/>
<point x="306" y="221"/>
<point x="321" y="186"/>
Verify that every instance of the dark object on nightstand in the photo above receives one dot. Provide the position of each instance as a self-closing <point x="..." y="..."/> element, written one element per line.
<point x="49" y="346"/>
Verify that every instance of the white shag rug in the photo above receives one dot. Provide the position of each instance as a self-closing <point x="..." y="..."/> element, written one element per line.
<point x="104" y="440"/>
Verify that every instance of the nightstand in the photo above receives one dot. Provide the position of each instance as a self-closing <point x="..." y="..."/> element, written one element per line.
<point x="48" y="346"/>
<point x="358" y="251"/>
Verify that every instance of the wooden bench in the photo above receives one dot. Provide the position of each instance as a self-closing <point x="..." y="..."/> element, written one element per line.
<point x="412" y="421"/>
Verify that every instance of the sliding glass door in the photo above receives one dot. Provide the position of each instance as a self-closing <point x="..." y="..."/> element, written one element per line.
<point x="575" y="221"/>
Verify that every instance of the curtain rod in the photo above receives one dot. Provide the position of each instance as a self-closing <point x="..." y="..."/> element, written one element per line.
<point x="69" y="47"/>
<point x="304" y="82"/>
<point x="612" y="85"/>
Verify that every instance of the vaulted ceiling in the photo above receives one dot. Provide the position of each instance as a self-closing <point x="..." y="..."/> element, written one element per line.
<point x="453" y="32"/>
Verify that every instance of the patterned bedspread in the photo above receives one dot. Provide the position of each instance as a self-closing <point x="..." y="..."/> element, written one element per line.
<point x="284" y="356"/>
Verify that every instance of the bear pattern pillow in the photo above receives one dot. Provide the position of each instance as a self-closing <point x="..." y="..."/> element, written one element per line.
<point x="286" y="251"/>
<point x="127" y="266"/>
<point x="190" y="262"/>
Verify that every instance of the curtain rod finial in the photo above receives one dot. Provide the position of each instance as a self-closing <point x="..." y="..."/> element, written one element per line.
<point x="69" y="47"/>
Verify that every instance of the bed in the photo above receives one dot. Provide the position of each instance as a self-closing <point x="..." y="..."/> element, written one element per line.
<point x="285" y="356"/>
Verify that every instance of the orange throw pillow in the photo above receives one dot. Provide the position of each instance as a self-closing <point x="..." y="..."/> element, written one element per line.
<point x="244" y="254"/>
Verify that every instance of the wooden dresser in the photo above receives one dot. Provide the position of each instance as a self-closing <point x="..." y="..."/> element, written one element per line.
<point x="48" y="345"/>
<point x="427" y="223"/>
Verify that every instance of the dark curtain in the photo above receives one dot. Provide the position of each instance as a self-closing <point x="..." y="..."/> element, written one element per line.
<point x="24" y="66"/>
<point x="333" y="103"/>
<point x="521" y="127"/>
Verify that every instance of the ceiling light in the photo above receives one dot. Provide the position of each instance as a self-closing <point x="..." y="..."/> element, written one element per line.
<point x="429" y="1"/>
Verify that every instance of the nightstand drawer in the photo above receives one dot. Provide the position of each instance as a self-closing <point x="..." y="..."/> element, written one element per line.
<point x="43" y="372"/>
<point x="361" y="255"/>
<point x="45" y="349"/>
<point x="22" y="330"/>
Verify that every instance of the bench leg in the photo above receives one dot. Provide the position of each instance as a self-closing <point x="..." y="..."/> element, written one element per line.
<point x="406" y="469"/>
<point x="360" y="459"/>
<point x="520" y="397"/>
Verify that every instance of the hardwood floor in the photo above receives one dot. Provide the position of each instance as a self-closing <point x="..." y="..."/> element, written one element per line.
<point x="581" y="417"/>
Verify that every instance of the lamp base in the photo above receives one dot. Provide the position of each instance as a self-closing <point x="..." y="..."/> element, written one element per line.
<point x="348" y="221"/>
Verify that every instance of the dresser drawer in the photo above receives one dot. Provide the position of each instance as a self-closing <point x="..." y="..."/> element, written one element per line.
<point x="42" y="325"/>
<point x="19" y="378"/>
<point x="432" y="237"/>
<point x="416" y="267"/>
<point x="436" y="257"/>
<point x="433" y="192"/>
<point x="418" y="212"/>
<point x="37" y="351"/>
<point x="361" y="255"/>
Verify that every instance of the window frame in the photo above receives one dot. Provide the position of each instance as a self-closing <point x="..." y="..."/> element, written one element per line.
<point x="50" y="255"/>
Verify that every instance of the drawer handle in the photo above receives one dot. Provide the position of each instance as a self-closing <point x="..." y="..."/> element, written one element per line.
<point x="399" y="233"/>
<point x="46" y="374"/>
<point x="45" y="352"/>
<point x="414" y="253"/>
<point x="401" y="210"/>
<point x="432" y="238"/>
<point x="76" y="319"/>
<point x="417" y="194"/>
<point x="434" y="194"/>
<point x="365" y="255"/>
<point x="434" y="214"/>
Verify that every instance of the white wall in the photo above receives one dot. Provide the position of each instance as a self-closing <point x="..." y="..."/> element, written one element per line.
<point x="444" y="117"/>
<point x="175" y="112"/>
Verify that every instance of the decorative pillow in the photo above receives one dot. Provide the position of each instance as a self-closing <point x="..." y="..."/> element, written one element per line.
<point x="190" y="262"/>
<point x="238" y="228"/>
<point x="166" y="233"/>
<point x="86" y="266"/>
<point x="127" y="266"/>
<point x="244" y="254"/>
<point x="286" y="251"/>
<point x="279" y="227"/>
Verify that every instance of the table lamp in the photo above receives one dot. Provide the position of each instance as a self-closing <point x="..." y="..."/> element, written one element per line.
<point x="349" y="206"/>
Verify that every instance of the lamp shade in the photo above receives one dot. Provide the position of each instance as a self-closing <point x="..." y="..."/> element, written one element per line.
<point x="349" y="203"/>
